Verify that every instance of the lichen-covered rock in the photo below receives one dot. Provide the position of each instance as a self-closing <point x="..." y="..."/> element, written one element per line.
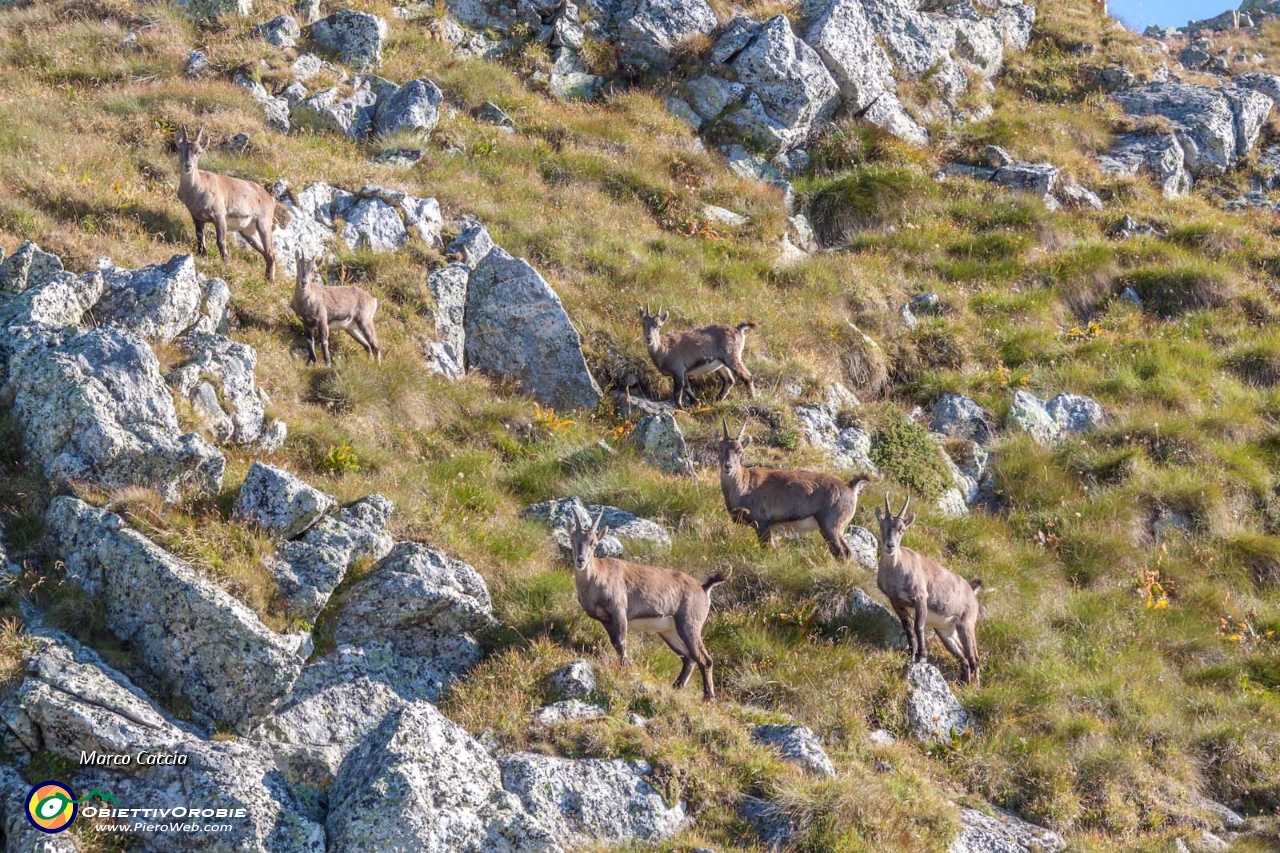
<point x="559" y="514"/>
<point x="841" y="33"/>
<point x="472" y="245"/>
<point x="217" y="8"/>
<point x="589" y="801"/>
<point x="69" y="701"/>
<point x="1002" y="832"/>
<point x="933" y="714"/>
<point x="355" y="37"/>
<point x="19" y="834"/>
<point x="93" y="408"/>
<point x="864" y="545"/>
<point x="650" y="29"/>
<point x="309" y="568"/>
<point x="771" y="822"/>
<point x="187" y="630"/>
<point x="568" y="711"/>
<point x="414" y="106"/>
<point x="1063" y="416"/>
<point x="28" y="267"/>
<point x="238" y="413"/>
<point x="662" y="444"/>
<point x="329" y="110"/>
<point x="449" y="287"/>
<point x="799" y="745"/>
<point x="849" y="448"/>
<point x="1158" y="154"/>
<point x="374" y="225"/>
<point x="281" y="31"/>
<point x="37" y="296"/>
<point x="516" y="327"/>
<point x="275" y="110"/>
<point x="414" y="594"/>
<point x="870" y="620"/>
<point x="279" y="502"/>
<point x="958" y="416"/>
<point x="231" y="774"/>
<point x="421" y="783"/>
<point x="162" y="301"/>
<point x="575" y="680"/>
<point x="1214" y="127"/>
<point x="789" y="90"/>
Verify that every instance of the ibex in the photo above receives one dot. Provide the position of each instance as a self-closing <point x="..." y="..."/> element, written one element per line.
<point x="322" y="308"/>
<point x="625" y="596"/>
<point x="686" y="355"/>
<point x="926" y="595"/>
<point x="799" y="501"/>
<point x="229" y="203"/>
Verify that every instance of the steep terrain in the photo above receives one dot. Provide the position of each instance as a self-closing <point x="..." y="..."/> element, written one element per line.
<point x="1024" y="271"/>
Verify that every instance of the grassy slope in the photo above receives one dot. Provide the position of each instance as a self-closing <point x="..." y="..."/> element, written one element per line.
<point x="1096" y="711"/>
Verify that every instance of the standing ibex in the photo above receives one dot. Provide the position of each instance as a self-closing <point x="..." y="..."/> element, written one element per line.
<point x="322" y="308"/>
<point x="926" y="595"/>
<point x="800" y="501"/>
<point x="229" y="203"/>
<point x="626" y="596"/>
<point x="685" y="355"/>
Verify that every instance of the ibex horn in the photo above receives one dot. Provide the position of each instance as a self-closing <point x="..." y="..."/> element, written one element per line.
<point x="742" y="431"/>
<point x="725" y="423"/>
<point x="905" y="504"/>
<point x="599" y="518"/>
<point x="200" y="135"/>
<point x="888" y="510"/>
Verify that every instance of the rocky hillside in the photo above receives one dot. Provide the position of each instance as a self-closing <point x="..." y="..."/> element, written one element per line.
<point x="1013" y="260"/>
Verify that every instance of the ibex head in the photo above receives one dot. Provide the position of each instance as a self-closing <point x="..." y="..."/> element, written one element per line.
<point x="584" y="541"/>
<point x="306" y="268"/>
<point x="892" y="527"/>
<point x="652" y="321"/>
<point x="732" y="448"/>
<point x="189" y="150"/>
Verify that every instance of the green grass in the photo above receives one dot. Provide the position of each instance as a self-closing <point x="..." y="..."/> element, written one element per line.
<point x="1097" y="715"/>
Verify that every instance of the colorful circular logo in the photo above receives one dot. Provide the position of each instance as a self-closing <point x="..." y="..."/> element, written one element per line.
<point x="51" y="807"/>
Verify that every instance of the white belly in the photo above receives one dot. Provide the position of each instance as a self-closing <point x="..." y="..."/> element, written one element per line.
<point x="709" y="367"/>
<point x="654" y="625"/>
<point x="945" y="624"/>
<point x="239" y="223"/>
<point x="801" y="525"/>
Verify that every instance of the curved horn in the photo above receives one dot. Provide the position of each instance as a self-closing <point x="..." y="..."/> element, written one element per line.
<point x="595" y="527"/>
<point x="905" y="504"/>
<point x="185" y="136"/>
<point x="724" y="422"/>
<point x="888" y="510"/>
<point x="742" y="431"/>
<point x="200" y="135"/>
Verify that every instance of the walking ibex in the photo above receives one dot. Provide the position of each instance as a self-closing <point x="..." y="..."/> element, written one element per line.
<point x="799" y="501"/>
<point x="229" y="203"/>
<point x="322" y="308"/>
<point x="626" y="596"/>
<point x="926" y="595"/>
<point x="686" y="355"/>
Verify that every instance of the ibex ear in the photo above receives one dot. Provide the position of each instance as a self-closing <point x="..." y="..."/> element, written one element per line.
<point x="909" y="520"/>
<point x="746" y="441"/>
<point x="879" y="515"/>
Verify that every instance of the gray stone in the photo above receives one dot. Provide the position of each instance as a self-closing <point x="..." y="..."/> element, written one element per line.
<point x="1078" y="196"/>
<point x="494" y="114"/>
<point x="848" y="448"/>
<point x="1213" y="127"/>
<point x="870" y="620"/>
<point x="162" y="301"/>
<point x="93" y="408"/>
<point x="472" y="244"/>
<point x="575" y="680"/>
<point x="662" y="443"/>
<point x="1038" y="179"/>
<point x="842" y="35"/>
<point x="308" y="569"/>
<point x="648" y="30"/>
<point x="517" y="328"/>
<point x="1115" y="78"/>
<point x="1030" y="415"/>
<point x="712" y="213"/>
<point x="421" y="783"/>
<point x="1161" y="155"/>
<point x="1075" y="414"/>
<point x="217" y="8"/>
<point x="374" y="225"/>
<point x="933" y="714"/>
<point x="888" y="113"/>
<point x="1002" y="832"/>
<point x="281" y="31"/>
<point x="591" y="802"/>
<point x="198" y="65"/>
<point x="330" y="111"/>
<point x="789" y="90"/>
<point x="449" y="287"/>
<point x="279" y="502"/>
<point x="236" y="413"/>
<point x="422" y="217"/>
<point x="798" y="745"/>
<point x="772" y="824"/>
<point x="412" y="107"/>
<point x="190" y="633"/>
<point x="16" y="829"/>
<point x="957" y="416"/>
<point x="1251" y="109"/>
<point x="567" y="711"/>
<point x="414" y="595"/>
<point x="864" y="545"/>
<point x="355" y="37"/>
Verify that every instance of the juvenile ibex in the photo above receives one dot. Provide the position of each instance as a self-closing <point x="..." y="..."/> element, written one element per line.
<point x="799" y="501"/>
<point x="322" y="308"/>
<point x="926" y="595"/>
<point x="626" y="596"/>
<point x="686" y="355"/>
<point x="229" y="203"/>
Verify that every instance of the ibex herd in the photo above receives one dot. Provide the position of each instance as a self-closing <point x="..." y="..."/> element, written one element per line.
<point x="625" y="596"/>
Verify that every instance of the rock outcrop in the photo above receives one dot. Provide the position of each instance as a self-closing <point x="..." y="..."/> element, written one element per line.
<point x="188" y="632"/>
<point x="1002" y="832"/>
<point x="933" y="714"/>
<point x="1063" y="416"/>
<point x="355" y="38"/>
<point x="798" y="745"/>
